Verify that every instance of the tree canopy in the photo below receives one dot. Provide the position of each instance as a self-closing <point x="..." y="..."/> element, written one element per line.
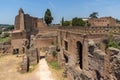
<point x="94" y="15"/>
<point x="48" y="17"/>
<point x="10" y="28"/>
<point x="77" y="22"/>
<point x="66" y="23"/>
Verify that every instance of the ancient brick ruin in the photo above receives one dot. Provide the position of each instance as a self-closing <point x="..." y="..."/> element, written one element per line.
<point x="83" y="54"/>
<point x="28" y="38"/>
<point x="103" y="21"/>
<point x="25" y="26"/>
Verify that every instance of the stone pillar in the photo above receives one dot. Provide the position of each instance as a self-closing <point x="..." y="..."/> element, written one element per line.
<point x="85" y="55"/>
<point x="21" y="15"/>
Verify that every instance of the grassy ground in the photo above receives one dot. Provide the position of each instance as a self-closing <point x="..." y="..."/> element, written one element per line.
<point x="4" y="39"/>
<point x="56" y="70"/>
<point x="33" y="67"/>
<point x="54" y="65"/>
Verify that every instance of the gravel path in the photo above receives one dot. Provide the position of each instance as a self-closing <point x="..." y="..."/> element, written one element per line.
<point x="44" y="73"/>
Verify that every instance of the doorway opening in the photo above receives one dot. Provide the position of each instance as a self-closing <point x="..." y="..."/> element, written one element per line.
<point x="80" y="54"/>
<point x="23" y="50"/>
<point x="16" y="51"/>
<point x="66" y="58"/>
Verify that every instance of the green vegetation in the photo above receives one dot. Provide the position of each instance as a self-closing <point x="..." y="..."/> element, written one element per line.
<point x="48" y="17"/>
<point x="117" y="20"/>
<point x="6" y="39"/>
<point x="62" y="22"/>
<point x="94" y="15"/>
<point x="77" y="22"/>
<point x="10" y="28"/>
<point x="52" y="43"/>
<point x="0" y="31"/>
<point x="32" y="67"/>
<point x="66" y="23"/>
<point x="112" y="42"/>
<point x="6" y="35"/>
<point x="54" y="53"/>
<point x="54" y="65"/>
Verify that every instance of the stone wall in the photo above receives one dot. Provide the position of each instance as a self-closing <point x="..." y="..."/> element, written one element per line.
<point x="33" y="55"/>
<point x="5" y="48"/>
<point x="24" y="67"/>
<point x="27" y="22"/>
<point x="19" y="44"/>
<point x="18" y="34"/>
<point x="45" y="39"/>
<point x="40" y="24"/>
<point x="17" y="23"/>
<point x="113" y="68"/>
<point x="96" y="64"/>
<point x="83" y="54"/>
<point x="29" y="59"/>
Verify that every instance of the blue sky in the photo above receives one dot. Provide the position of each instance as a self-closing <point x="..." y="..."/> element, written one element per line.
<point x="59" y="8"/>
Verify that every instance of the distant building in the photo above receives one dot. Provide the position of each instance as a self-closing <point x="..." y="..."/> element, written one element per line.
<point x="103" y="21"/>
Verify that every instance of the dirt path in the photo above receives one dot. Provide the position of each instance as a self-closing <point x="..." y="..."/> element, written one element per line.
<point x="44" y="72"/>
<point x="8" y="70"/>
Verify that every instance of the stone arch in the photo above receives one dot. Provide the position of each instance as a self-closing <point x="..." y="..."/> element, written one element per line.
<point x="80" y="53"/>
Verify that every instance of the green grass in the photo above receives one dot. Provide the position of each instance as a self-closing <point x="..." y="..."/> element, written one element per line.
<point x="4" y="39"/>
<point x="54" y="65"/>
<point x="32" y="67"/>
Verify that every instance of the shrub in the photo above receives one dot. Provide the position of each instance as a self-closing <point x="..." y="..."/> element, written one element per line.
<point x="111" y="42"/>
<point x="54" y="53"/>
<point x="0" y="31"/>
<point x="6" y="35"/>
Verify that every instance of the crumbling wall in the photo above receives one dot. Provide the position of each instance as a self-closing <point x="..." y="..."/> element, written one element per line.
<point x="96" y="64"/>
<point x="33" y="56"/>
<point x="114" y="63"/>
<point x="24" y="67"/>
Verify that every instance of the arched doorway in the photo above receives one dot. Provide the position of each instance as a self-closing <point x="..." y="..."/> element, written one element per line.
<point x="79" y="51"/>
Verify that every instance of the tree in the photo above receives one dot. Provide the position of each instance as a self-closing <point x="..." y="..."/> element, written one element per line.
<point x="77" y="22"/>
<point x="94" y="15"/>
<point x="10" y="28"/>
<point x="117" y="20"/>
<point x="66" y="23"/>
<point x="48" y="17"/>
<point x="62" y="22"/>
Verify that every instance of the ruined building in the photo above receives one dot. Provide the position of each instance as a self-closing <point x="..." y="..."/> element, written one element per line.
<point x="103" y="21"/>
<point x="25" y="26"/>
<point x="83" y="55"/>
